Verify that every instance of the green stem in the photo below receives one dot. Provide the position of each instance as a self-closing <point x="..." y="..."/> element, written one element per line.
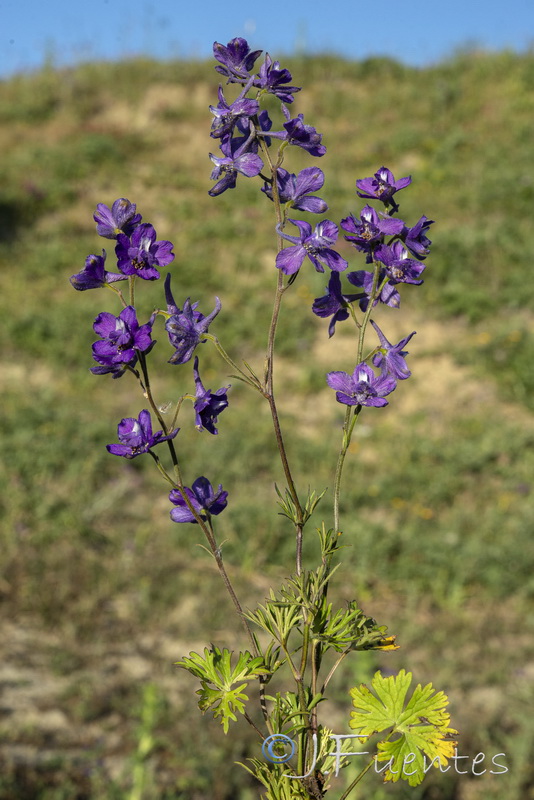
<point x="253" y="725"/>
<point x="350" y="419"/>
<point x="175" y="415"/>
<point x="268" y="392"/>
<point x="375" y="292"/>
<point x="332" y="670"/>
<point x="205" y="526"/>
<point x="356" y="781"/>
<point x="316" y="665"/>
<point x="147" y="391"/>
<point x="348" y="427"/>
<point x="162" y="469"/>
<point x="304" y="653"/>
<point x="131" y="286"/>
<point x="217" y="554"/>
<point x="117" y="292"/>
<point x="269" y="371"/>
<point x="251" y="379"/>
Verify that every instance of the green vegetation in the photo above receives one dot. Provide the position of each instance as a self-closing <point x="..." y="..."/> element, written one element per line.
<point x="101" y="592"/>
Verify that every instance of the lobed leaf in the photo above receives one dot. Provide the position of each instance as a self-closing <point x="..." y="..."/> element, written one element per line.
<point x="421" y="726"/>
<point x="218" y="678"/>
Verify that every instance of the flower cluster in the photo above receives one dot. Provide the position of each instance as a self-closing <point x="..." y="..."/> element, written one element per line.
<point x="388" y="244"/>
<point x="394" y="252"/>
<point x="137" y="251"/>
<point x="124" y="345"/>
<point x="244" y="130"/>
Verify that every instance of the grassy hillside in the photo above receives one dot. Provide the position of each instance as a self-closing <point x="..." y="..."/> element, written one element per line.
<point x="100" y="591"/>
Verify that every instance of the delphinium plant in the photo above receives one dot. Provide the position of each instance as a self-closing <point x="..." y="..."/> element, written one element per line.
<point x="295" y="638"/>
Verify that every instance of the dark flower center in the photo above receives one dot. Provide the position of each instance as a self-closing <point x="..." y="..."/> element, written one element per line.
<point x="382" y="189"/>
<point x="143" y="259"/>
<point x="397" y="273"/>
<point x="363" y="392"/>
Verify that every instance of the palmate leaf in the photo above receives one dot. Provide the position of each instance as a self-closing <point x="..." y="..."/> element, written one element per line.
<point x="421" y="727"/>
<point x="218" y="678"/>
<point x="224" y="702"/>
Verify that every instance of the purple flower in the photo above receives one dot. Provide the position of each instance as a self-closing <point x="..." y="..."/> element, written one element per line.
<point x="136" y="436"/>
<point x="295" y="189"/>
<point x="334" y="303"/>
<point x="382" y="186"/>
<point x="369" y="229"/>
<point x="141" y="254"/>
<point x="389" y="295"/>
<point x="172" y="308"/>
<point x="226" y="115"/>
<point x="186" y="328"/>
<point x="208" y="406"/>
<point x="390" y="358"/>
<point x="301" y="135"/>
<point x="94" y="275"/>
<point x="415" y="238"/>
<point x="115" y="370"/>
<point x="236" y="59"/>
<point x="250" y="131"/>
<point x="122" y="339"/>
<point x="272" y="79"/>
<point x="315" y="245"/>
<point x="236" y="159"/>
<point x="204" y="500"/>
<point x="362" y="388"/>
<point x="399" y="267"/>
<point x="121" y="218"/>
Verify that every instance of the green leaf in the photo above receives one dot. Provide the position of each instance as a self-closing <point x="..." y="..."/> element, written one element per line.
<point x="277" y="617"/>
<point x="350" y="629"/>
<point x="421" y="727"/>
<point x="289" y="509"/>
<point x="218" y="678"/>
<point x="312" y="501"/>
<point x="225" y="702"/>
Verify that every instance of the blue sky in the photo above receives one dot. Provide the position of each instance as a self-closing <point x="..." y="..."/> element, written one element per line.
<point x="417" y="32"/>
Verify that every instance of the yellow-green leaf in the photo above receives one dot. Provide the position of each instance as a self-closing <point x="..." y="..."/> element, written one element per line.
<point x="418" y="731"/>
